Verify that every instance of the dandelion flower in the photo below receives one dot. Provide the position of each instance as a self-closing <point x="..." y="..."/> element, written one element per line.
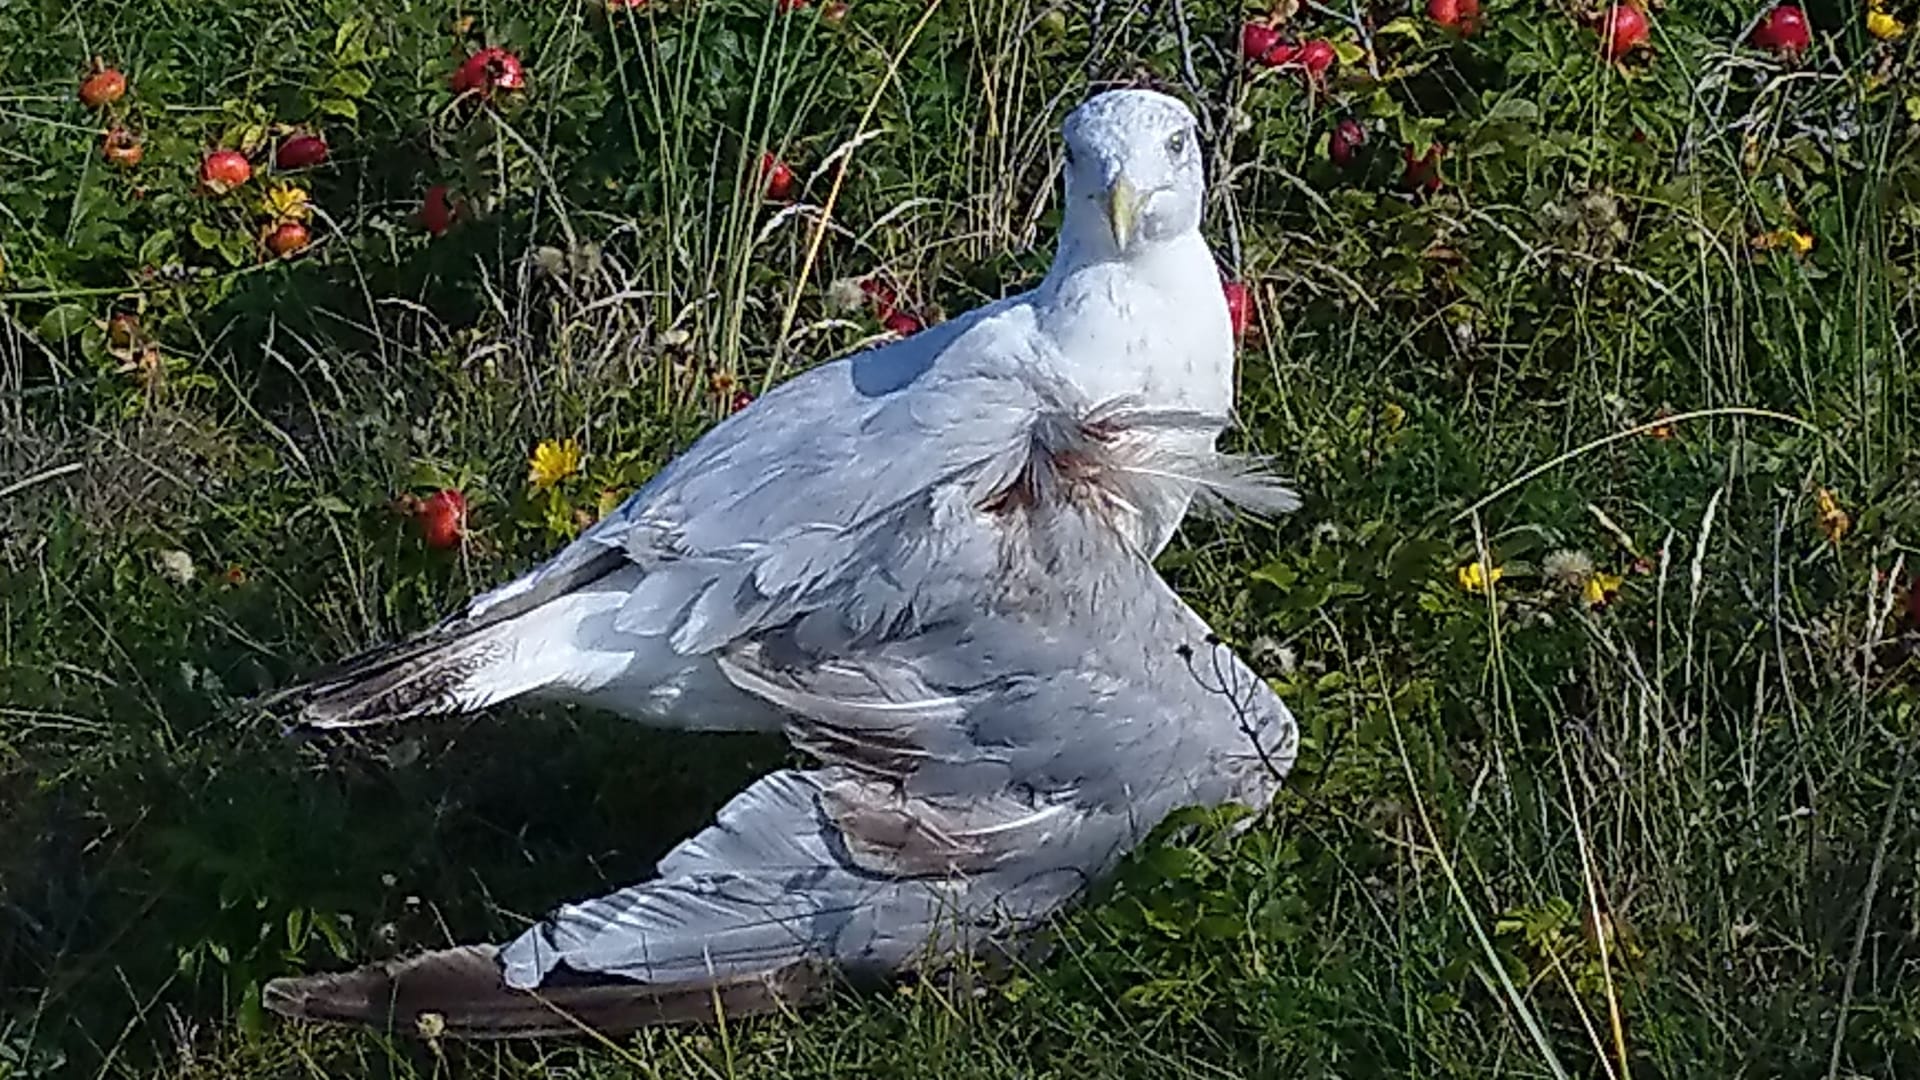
<point x="1476" y="577"/>
<point x="1600" y="588"/>
<point x="845" y="296"/>
<point x="553" y="462"/>
<point x="1833" y="521"/>
<point x="1568" y="569"/>
<point x="1884" y="26"/>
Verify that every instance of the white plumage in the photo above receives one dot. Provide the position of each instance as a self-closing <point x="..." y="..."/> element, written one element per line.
<point x="773" y="509"/>
<point x="929" y="564"/>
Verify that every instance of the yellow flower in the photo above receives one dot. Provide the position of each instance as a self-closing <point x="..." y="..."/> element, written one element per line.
<point x="1475" y="577"/>
<point x="1884" y="26"/>
<point x="553" y="462"/>
<point x="1833" y="521"/>
<point x="1600" y="588"/>
<point x="286" y="203"/>
<point x="1797" y="241"/>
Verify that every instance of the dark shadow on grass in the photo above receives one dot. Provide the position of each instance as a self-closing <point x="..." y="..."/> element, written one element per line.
<point x="256" y="855"/>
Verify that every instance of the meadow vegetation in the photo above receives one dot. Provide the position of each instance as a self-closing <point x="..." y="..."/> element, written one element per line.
<point x="1600" y="617"/>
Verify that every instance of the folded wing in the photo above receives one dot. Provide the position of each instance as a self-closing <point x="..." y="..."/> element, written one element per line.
<point x="974" y="772"/>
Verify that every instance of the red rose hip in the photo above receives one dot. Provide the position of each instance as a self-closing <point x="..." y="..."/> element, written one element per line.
<point x="1622" y="30"/>
<point x="1317" y="57"/>
<point x="1239" y="306"/>
<point x="1261" y="44"/>
<point x="1783" y="31"/>
<point x="443" y="519"/>
<point x="1344" y="142"/>
<point x="287" y="238"/>
<point x="303" y="150"/>
<point x="1460" y="16"/>
<point x="880" y="294"/>
<point x="488" y="70"/>
<point x="437" y="213"/>
<point x="103" y="88"/>
<point x="1423" y="170"/>
<point x="777" y="177"/>
<point x="122" y="148"/>
<point x="224" y="170"/>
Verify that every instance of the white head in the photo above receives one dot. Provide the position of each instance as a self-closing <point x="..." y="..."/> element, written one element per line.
<point x="1134" y="178"/>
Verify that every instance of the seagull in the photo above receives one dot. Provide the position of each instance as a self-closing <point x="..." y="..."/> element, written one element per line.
<point x="774" y="514"/>
<point x="929" y="566"/>
<point x="975" y="768"/>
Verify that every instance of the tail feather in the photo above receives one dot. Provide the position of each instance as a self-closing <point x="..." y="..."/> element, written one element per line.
<point x="432" y="675"/>
<point x="459" y="992"/>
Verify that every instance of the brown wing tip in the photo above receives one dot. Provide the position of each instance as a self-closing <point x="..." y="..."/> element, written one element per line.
<point x="458" y="993"/>
<point x="407" y="993"/>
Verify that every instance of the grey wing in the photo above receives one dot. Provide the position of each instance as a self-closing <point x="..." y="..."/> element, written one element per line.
<point x="765" y="514"/>
<point x="1077" y="678"/>
<point x="974" y="776"/>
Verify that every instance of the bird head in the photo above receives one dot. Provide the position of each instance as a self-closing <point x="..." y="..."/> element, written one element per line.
<point x="1134" y="177"/>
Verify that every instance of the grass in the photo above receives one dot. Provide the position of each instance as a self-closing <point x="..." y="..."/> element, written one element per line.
<point x="1671" y="835"/>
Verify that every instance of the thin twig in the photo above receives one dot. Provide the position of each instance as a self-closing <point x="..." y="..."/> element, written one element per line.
<point x="1642" y="429"/>
<point x="26" y="482"/>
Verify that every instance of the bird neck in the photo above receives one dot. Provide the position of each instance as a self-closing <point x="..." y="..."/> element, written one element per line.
<point x="1151" y="326"/>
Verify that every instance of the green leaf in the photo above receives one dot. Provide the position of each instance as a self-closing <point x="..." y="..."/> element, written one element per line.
<point x="252" y="1017"/>
<point x="351" y="82"/>
<point x="156" y="247"/>
<point x="350" y="41"/>
<point x="329" y="928"/>
<point x="1176" y="863"/>
<point x="1167" y="919"/>
<point x="64" y="321"/>
<point x="1514" y="108"/>
<point x="1278" y="574"/>
<point x="1219" y="927"/>
<point x="1148" y="993"/>
<point x="340" y="107"/>
<point x="205" y="235"/>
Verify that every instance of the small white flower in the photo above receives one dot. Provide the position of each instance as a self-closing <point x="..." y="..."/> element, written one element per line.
<point x="177" y="565"/>
<point x="1266" y="649"/>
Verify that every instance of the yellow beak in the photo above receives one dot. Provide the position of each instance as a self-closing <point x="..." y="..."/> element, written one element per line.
<point x="1123" y="209"/>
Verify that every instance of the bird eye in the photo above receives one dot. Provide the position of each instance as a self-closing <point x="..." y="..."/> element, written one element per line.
<point x="1178" y="144"/>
